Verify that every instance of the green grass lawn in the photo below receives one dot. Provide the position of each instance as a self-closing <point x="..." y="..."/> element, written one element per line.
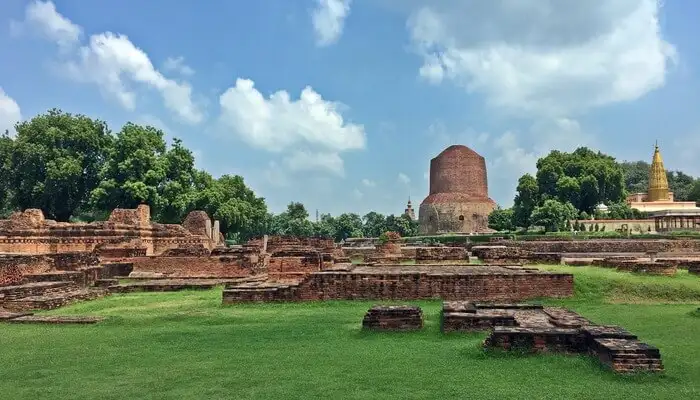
<point x="186" y="345"/>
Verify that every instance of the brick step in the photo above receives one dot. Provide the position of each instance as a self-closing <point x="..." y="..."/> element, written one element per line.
<point x="105" y="283"/>
<point x="8" y="293"/>
<point x="52" y="300"/>
<point x="78" y="277"/>
<point x="255" y="292"/>
<point x="643" y="361"/>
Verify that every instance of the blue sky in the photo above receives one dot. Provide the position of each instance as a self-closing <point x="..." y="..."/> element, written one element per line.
<point x="341" y="104"/>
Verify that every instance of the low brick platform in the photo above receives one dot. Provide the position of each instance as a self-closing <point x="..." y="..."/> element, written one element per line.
<point x="50" y="301"/>
<point x="393" y="318"/>
<point x="628" y="356"/>
<point x="55" y="319"/>
<point x="647" y="267"/>
<point x="533" y="328"/>
<point x="6" y="314"/>
<point x="174" y="285"/>
<point x="412" y="282"/>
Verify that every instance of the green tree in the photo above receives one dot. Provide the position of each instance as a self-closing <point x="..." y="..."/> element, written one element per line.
<point x="348" y="225"/>
<point x="293" y="222"/>
<point x="55" y="160"/>
<point x="526" y="200"/>
<point x="402" y="224"/>
<point x="240" y="211"/>
<point x="623" y="211"/>
<point x="583" y="178"/>
<point x="636" y="176"/>
<point x="374" y="224"/>
<point x="177" y="189"/>
<point x="135" y="171"/>
<point x="501" y="219"/>
<point x="694" y="194"/>
<point x="553" y="214"/>
<point x="6" y="146"/>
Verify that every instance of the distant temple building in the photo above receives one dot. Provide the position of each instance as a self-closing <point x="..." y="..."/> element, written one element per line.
<point x="409" y="210"/>
<point x="658" y="196"/>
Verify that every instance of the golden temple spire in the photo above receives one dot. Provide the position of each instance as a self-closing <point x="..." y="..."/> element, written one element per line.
<point x="658" y="183"/>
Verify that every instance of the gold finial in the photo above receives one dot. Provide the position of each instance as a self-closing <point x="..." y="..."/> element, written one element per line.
<point x="658" y="183"/>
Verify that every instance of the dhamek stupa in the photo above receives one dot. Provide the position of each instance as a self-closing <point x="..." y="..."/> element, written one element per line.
<point x="658" y="197"/>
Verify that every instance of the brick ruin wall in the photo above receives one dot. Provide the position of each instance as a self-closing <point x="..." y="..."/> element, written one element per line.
<point x="29" y="233"/>
<point x="14" y="267"/>
<point x="609" y="246"/>
<point x="414" y="286"/>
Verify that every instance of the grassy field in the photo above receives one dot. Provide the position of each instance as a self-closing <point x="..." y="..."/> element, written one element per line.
<point x="186" y="345"/>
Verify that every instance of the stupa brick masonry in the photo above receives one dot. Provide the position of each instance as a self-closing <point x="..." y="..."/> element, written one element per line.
<point x="458" y="200"/>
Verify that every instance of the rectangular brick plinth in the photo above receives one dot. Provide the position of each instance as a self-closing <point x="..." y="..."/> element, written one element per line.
<point x="561" y="330"/>
<point x="393" y="318"/>
<point x="457" y="282"/>
<point x="628" y="355"/>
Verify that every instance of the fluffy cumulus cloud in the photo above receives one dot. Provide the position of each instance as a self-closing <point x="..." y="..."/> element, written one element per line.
<point x="551" y="57"/>
<point x="43" y="18"/>
<point x="328" y="19"/>
<point x="110" y="61"/>
<point x="310" y="127"/>
<point x="178" y="65"/>
<point x="9" y="113"/>
<point x="308" y="161"/>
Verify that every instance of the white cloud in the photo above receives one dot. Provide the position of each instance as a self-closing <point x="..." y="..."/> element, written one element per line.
<point x="178" y="65"/>
<point x="112" y="62"/>
<point x="369" y="183"/>
<point x="403" y="178"/>
<point x="43" y="17"/>
<point x="550" y="57"/>
<point x="328" y="19"/>
<point x="9" y="113"/>
<point x="358" y="194"/>
<point x="279" y="123"/>
<point x="307" y="161"/>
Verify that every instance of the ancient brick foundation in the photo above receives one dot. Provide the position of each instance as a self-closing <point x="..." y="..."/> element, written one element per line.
<point x="393" y="318"/>
<point x="376" y="283"/>
<point x="609" y="246"/>
<point x="29" y="232"/>
<point x="195" y="267"/>
<point x="533" y="328"/>
<point x="504" y="255"/>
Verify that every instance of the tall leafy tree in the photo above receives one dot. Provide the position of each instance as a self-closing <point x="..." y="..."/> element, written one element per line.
<point x="56" y="159"/>
<point x="501" y="219"/>
<point x="526" y="199"/>
<point x="135" y="171"/>
<point x="553" y="215"/>
<point x="374" y="224"/>
<point x="241" y="213"/>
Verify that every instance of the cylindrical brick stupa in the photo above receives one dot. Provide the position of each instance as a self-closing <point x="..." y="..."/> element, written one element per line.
<point x="458" y="199"/>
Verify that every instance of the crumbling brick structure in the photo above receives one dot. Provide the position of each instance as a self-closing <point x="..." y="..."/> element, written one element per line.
<point x="534" y="328"/>
<point x="458" y="200"/>
<point x="393" y="318"/>
<point x="488" y="283"/>
<point x="126" y="233"/>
